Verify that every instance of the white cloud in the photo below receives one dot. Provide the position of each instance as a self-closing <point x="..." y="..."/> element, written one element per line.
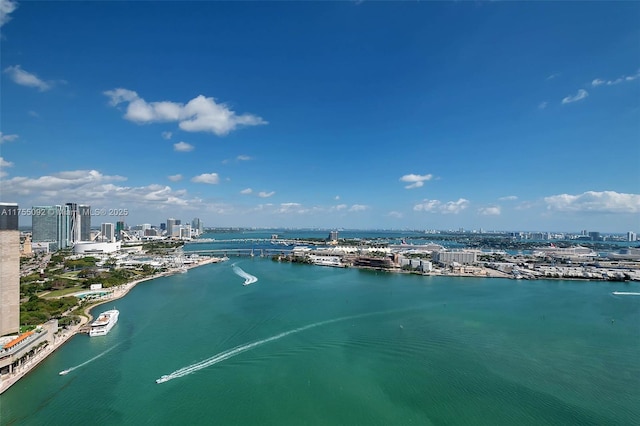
<point x="25" y="78"/>
<point x="166" y="135"/>
<point x="543" y="105"/>
<point x="210" y="178"/>
<point x="592" y="201"/>
<point x="200" y="114"/>
<point x="264" y="194"/>
<point x="436" y="206"/>
<point x="490" y="211"/>
<point x="33" y="114"/>
<point x="339" y="207"/>
<point x="243" y="158"/>
<point x="337" y="197"/>
<point x="6" y="8"/>
<point x="182" y="147"/>
<point x="7" y="138"/>
<point x="290" y="208"/>
<point x="582" y="94"/>
<point x="358" y="208"/>
<point x="397" y="215"/>
<point x="600" y="82"/>
<point x="552" y="76"/>
<point x="69" y="180"/>
<point x="4" y="163"/>
<point x="508" y="198"/>
<point x="416" y="180"/>
<point x="89" y="185"/>
<point x="246" y="191"/>
<point x="175" y="178"/>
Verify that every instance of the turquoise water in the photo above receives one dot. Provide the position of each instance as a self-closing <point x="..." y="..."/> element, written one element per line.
<point x="308" y="345"/>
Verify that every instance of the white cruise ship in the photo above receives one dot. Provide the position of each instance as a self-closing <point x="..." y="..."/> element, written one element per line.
<point x="104" y="323"/>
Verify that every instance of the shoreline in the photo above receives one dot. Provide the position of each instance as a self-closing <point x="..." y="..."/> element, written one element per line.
<point x="60" y="338"/>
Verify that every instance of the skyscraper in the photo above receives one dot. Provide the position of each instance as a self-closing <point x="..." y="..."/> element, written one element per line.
<point x="120" y="226"/>
<point x="196" y="226"/>
<point x="51" y="224"/>
<point x="9" y="269"/>
<point x="73" y="220"/>
<point x="108" y="232"/>
<point x="44" y="224"/>
<point x="85" y="222"/>
<point x="171" y="223"/>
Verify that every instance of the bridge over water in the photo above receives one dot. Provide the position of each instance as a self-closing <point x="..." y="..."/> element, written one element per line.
<point x="241" y="252"/>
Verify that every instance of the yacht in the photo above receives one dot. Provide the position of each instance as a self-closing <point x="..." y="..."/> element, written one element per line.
<point x="104" y="323"/>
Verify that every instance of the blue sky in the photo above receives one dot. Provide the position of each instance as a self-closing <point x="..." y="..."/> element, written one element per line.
<point x="412" y="115"/>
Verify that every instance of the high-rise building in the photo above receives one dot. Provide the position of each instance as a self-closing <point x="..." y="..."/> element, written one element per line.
<point x="73" y="219"/>
<point x="9" y="269"/>
<point x="51" y="224"/>
<point x="171" y="223"/>
<point x="120" y="226"/>
<point x="85" y="222"/>
<point x="108" y="232"/>
<point x="196" y="226"/>
<point x="44" y="223"/>
<point x="631" y="236"/>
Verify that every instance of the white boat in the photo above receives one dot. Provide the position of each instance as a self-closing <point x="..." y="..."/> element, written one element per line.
<point x="104" y="323"/>
<point x="626" y="293"/>
<point x="162" y="379"/>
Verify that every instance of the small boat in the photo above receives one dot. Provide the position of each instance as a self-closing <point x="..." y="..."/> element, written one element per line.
<point x="626" y="293"/>
<point x="163" y="379"/>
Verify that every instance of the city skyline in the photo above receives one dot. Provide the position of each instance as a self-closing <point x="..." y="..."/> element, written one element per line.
<point x="356" y="115"/>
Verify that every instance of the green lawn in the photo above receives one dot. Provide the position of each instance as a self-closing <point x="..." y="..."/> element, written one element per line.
<point x="73" y="275"/>
<point x="62" y="292"/>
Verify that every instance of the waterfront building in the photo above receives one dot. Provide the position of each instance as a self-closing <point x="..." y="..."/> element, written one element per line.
<point x="97" y="247"/>
<point x="108" y="232"/>
<point x="461" y="257"/>
<point x="631" y="236"/>
<point x="9" y="269"/>
<point x="333" y="236"/>
<point x="197" y="226"/>
<point x="184" y="232"/>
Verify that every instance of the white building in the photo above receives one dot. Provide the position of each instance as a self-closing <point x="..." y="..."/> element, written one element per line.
<point x="108" y="232"/>
<point x="461" y="257"/>
<point x="90" y="247"/>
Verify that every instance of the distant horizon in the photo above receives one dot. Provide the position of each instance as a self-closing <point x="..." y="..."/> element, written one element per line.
<point x="361" y="115"/>
<point x="339" y="229"/>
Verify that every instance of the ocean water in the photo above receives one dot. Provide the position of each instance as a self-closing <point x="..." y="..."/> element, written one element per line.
<point x="309" y="345"/>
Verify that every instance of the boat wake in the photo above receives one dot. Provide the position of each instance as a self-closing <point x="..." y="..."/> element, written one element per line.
<point x="248" y="279"/>
<point x="626" y="293"/>
<point x="229" y="353"/>
<point x="69" y="370"/>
